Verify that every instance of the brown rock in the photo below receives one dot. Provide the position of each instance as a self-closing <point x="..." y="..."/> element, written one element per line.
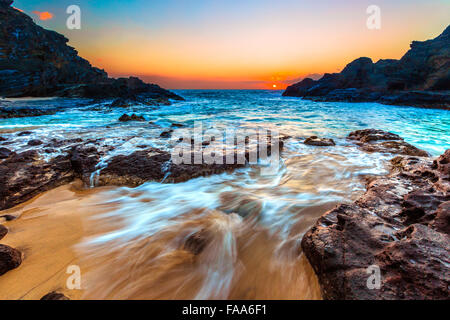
<point x="133" y="117"/>
<point x="197" y="242"/>
<point x="373" y="140"/>
<point x="26" y="175"/>
<point x="5" y="153"/>
<point x="10" y="258"/>
<point x="3" y="231"/>
<point x="320" y="142"/>
<point x="35" y="142"/>
<point x="400" y="225"/>
<point x="54" y="296"/>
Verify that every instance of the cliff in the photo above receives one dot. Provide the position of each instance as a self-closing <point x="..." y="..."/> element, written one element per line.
<point x="38" y="62"/>
<point x="420" y="78"/>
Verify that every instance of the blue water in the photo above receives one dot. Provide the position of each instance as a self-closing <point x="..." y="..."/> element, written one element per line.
<point x="425" y="128"/>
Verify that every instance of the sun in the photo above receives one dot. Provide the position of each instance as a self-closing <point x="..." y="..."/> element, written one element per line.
<point x="274" y="86"/>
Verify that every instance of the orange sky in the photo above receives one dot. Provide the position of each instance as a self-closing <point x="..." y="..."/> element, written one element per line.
<point x="250" y="44"/>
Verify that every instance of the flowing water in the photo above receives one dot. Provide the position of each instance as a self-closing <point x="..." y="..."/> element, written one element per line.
<point x="247" y="226"/>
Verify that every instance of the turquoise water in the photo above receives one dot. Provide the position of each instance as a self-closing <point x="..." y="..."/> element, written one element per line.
<point x="425" y="128"/>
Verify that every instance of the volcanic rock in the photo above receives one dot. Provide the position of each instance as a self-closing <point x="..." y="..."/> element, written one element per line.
<point x="420" y="78"/>
<point x="5" y="153"/>
<point x="54" y="296"/>
<point x="35" y="142"/>
<point x="3" y="231"/>
<point x="38" y="62"/>
<point x="320" y="142"/>
<point x="401" y="226"/>
<point x="25" y="175"/>
<point x="10" y="258"/>
<point x="133" y="117"/>
<point x="373" y="140"/>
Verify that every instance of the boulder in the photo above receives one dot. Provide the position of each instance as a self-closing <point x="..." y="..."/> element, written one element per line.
<point x="35" y="142"/>
<point x="54" y="296"/>
<point x="10" y="259"/>
<point x="400" y="226"/>
<point x="133" y="117"/>
<point x="5" y="153"/>
<point x="3" y="231"/>
<point x="373" y="140"/>
<point x="25" y="175"/>
<point x="320" y="142"/>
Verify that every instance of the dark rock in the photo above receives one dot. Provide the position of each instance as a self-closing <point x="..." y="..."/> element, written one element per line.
<point x="166" y="134"/>
<point x="2" y="139"/>
<point x="8" y="217"/>
<point x="83" y="161"/>
<point x="400" y="225"/>
<point x="3" y="231"/>
<point x="373" y="140"/>
<point x="54" y="296"/>
<point x="35" y="142"/>
<point x="5" y="153"/>
<point x="321" y="142"/>
<point x="197" y="242"/>
<point x="24" y="133"/>
<point x="420" y="78"/>
<point x="133" y="117"/>
<point x="23" y="112"/>
<point x="299" y="89"/>
<point x="25" y="175"/>
<point x="38" y="62"/>
<point x="10" y="259"/>
<point x="156" y="165"/>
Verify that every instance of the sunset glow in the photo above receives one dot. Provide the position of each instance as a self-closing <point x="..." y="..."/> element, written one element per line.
<point x="251" y="44"/>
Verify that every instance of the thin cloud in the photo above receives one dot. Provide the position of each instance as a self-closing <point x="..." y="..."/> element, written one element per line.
<point x="44" y="15"/>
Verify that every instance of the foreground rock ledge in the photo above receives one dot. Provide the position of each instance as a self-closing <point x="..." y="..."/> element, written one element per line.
<point x="401" y="225"/>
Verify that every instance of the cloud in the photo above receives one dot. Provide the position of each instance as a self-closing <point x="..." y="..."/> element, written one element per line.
<point x="44" y="15"/>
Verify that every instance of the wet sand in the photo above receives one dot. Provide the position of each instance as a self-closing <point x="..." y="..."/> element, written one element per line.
<point x="46" y="230"/>
<point x="51" y="230"/>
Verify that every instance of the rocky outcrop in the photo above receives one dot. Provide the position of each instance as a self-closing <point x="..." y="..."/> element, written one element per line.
<point x="7" y="112"/>
<point x="38" y="62"/>
<point x="54" y="296"/>
<point x="421" y="78"/>
<point x="319" y="142"/>
<point x="373" y="140"/>
<point x="25" y="175"/>
<point x="10" y="259"/>
<point x="3" y="231"/>
<point x="401" y="226"/>
<point x="133" y="117"/>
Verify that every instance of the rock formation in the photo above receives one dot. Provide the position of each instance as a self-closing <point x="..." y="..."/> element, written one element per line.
<point x="10" y="258"/>
<point x="319" y="142"/>
<point x="372" y="140"/>
<point x="38" y="62"/>
<point x="401" y="226"/>
<point x="421" y="78"/>
<point x="27" y="174"/>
